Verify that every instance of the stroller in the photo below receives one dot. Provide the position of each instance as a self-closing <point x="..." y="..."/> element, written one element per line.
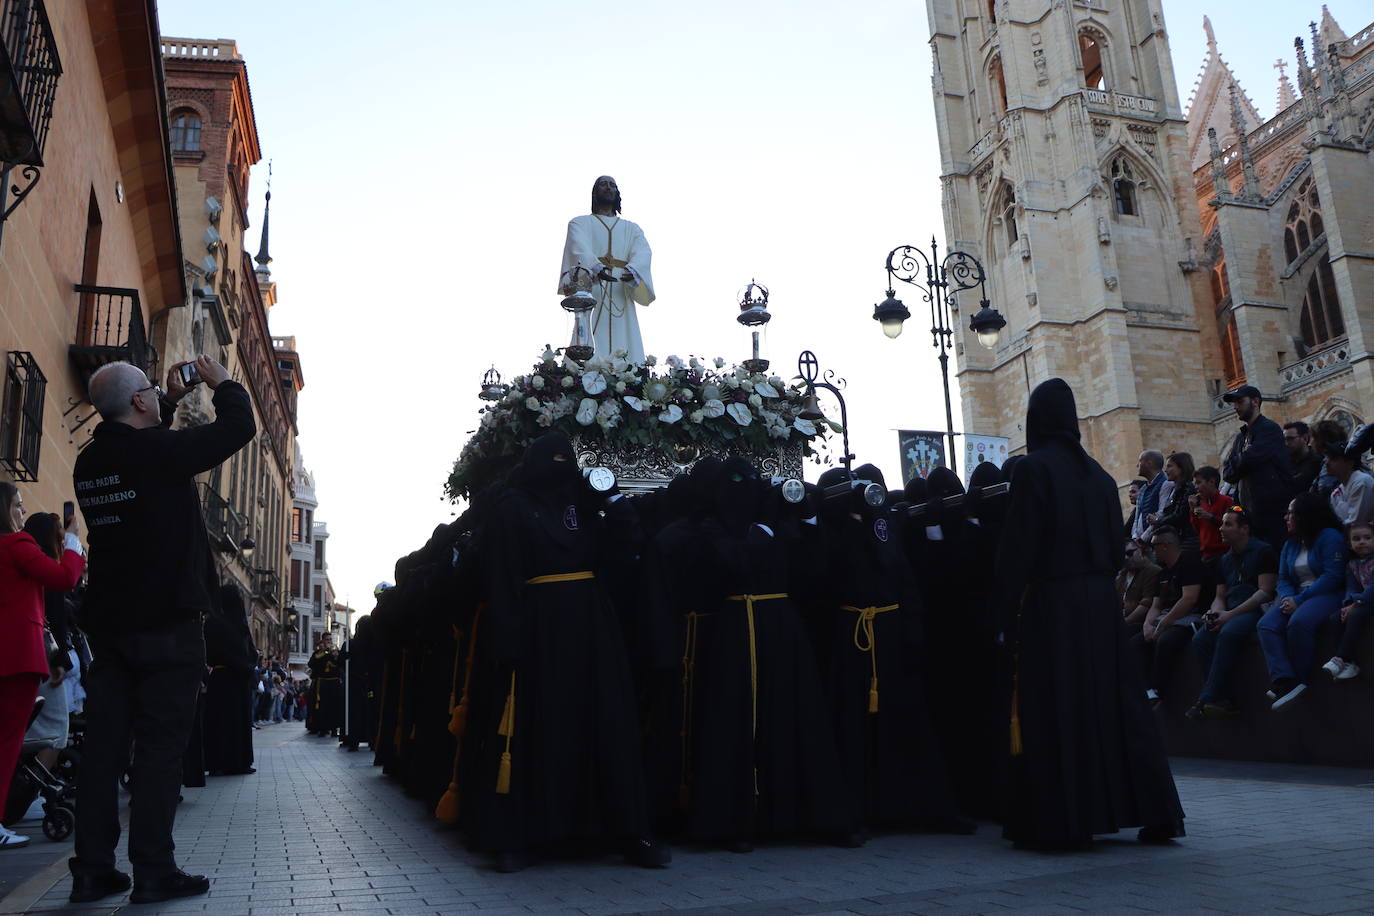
<point x="32" y="779"/>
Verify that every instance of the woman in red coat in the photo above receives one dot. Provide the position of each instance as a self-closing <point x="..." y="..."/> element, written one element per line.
<point x="25" y="570"/>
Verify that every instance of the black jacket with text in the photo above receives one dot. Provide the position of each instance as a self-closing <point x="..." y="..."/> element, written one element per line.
<point x="150" y="562"/>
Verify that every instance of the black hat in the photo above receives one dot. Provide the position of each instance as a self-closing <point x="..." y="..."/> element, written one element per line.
<point x="1244" y="391"/>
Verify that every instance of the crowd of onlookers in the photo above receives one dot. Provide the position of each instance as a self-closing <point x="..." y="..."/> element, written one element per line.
<point x="1275" y="544"/>
<point x="277" y="696"/>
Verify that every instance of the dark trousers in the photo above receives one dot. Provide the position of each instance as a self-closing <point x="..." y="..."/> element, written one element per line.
<point x="141" y="690"/>
<point x="1349" y="644"/>
<point x="1157" y="658"/>
<point x="1217" y="651"/>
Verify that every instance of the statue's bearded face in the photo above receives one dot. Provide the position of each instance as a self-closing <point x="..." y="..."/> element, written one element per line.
<point x="605" y="189"/>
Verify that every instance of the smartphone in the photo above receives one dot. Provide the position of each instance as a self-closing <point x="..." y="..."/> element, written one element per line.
<point x="190" y="375"/>
<point x="68" y="512"/>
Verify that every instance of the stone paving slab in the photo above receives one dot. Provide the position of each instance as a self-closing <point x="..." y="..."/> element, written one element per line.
<point x="319" y="830"/>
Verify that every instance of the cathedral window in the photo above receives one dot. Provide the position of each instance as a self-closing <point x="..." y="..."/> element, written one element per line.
<point x="185" y="132"/>
<point x="1009" y="215"/>
<point x="1232" y="360"/>
<point x="1320" y="320"/>
<point x="998" y="81"/>
<point x="1123" y="188"/>
<point x="1090" y="46"/>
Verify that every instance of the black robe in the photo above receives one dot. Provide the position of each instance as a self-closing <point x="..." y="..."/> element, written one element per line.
<point x="228" y="728"/>
<point x="326" y="692"/>
<point x="555" y="749"/>
<point x="1090" y="759"/>
<point x="894" y="768"/>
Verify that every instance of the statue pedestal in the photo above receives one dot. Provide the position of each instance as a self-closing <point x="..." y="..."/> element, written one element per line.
<point x="639" y="468"/>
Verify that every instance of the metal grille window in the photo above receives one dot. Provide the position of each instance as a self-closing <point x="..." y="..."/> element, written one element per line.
<point x="21" y="425"/>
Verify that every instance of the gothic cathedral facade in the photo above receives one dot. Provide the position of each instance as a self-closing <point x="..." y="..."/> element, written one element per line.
<point x="1070" y="170"/>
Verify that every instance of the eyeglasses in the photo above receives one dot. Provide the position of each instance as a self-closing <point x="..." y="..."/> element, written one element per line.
<point x="158" y="388"/>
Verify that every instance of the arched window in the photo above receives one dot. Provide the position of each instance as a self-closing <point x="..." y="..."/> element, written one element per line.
<point x="1091" y="46"/>
<point x="998" y="81"/>
<point x="185" y="132"/>
<point x="1320" y="320"/>
<point x="1123" y="187"/>
<point x="1232" y="360"/>
<point x="1008" y="207"/>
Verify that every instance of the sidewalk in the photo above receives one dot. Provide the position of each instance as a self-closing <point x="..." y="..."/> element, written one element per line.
<point x="318" y="830"/>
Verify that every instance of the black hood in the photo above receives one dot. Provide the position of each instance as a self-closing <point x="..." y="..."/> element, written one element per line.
<point x="1052" y="416"/>
<point x="701" y="485"/>
<point x="540" y="473"/>
<point x="917" y="491"/>
<point x="943" y="482"/>
<point x="739" y="495"/>
<point x="985" y="474"/>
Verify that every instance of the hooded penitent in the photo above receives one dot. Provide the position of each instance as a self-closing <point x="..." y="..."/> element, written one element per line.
<point x="1052" y="416"/>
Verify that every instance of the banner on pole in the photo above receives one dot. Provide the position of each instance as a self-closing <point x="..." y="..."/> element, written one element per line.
<point x="980" y="449"/>
<point x="922" y="452"/>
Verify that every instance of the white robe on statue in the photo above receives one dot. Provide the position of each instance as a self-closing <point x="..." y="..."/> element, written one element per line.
<point x="609" y="241"/>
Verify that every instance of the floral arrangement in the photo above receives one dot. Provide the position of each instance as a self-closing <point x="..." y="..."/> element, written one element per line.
<point x="677" y="404"/>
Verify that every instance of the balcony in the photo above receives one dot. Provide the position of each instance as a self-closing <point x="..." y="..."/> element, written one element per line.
<point x="226" y="527"/>
<point x="29" y="68"/>
<point x="267" y="585"/>
<point x="109" y="327"/>
<point x="1315" y="366"/>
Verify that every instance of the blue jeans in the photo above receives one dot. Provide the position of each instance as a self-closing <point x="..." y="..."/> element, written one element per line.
<point x="276" y="708"/>
<point x="1217" y="651"/>
<point x="1289" y="640"/>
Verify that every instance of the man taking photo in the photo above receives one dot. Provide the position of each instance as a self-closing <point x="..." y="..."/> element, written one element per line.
<point x="152" y="577"/>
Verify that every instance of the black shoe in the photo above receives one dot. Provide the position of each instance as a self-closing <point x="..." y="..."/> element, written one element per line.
<point x="177" y="884"/>
<point x="848" y="840"/>
<point x="88" y="888"/>
<point x="648" y="854"/>
<point x="1194" y="713"/>
<point x="508" y="863"/>
<point x="739" y="846"/>
<point x="1159" y="834"/>
<point x="246" y="771"/>
<point x="1220" y="709"/>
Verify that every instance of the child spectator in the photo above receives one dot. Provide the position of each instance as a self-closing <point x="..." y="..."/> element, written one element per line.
<point x="1209" y="505"/>
<point x="1353" y="498"/>
<point x="1359" y="601"/>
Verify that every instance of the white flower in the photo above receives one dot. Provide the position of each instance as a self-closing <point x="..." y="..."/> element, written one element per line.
<point x="488" y="420"/>
<point x="608" y="414"/>
<point x="777" y="382"/>
<point x="805" y="427"/>
<point x="720" y="362"/>
<point x="545" y="417"/>
<point x="651" y="360"/>
<point x="675" y="362"/>
<point x="746" y="384"/>
<point x="634" y="402"/>
<point x="620" y="364"/>
<point x="586" y="411"/>
<point x="697" y="416"/>
<point x="548" y="355"/>
<point x="656" y="391"/>
<point x="766" y="389"/>
<point x="755" y="400"/>
<point x="714" y="407"/>
<point x="532" y="403"/>
<point x="686" y="394"/>
<point x="593" y="382"/>
<point x="596" y="362"/>
<point x="670" y="414"/>
<point x="513" y="397"/>
<point x="710" y="392"/>
<point x="567" y="381"/>
<point x="740" y="413"/>
<point x="537" y="381"/>
<point x="694" y="363"/>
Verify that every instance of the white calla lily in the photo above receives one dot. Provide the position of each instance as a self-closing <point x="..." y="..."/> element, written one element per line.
<point x="805" y="427"/>
<point x="670" y="414"/>
<point x="593" y="382"/>
<point x="740" y="413"/>
<point x="714" y="407"/>
<point x="586" y="411"/>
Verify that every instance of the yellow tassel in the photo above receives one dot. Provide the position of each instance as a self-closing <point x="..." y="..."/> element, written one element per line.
<point x="1017" y="749"/>
<point x="873" y="695"/>
<point x="447" y="812"/>
<point x="459" y="722"/>
<point x="507" y="726"/>
<point x="503" y="775"/>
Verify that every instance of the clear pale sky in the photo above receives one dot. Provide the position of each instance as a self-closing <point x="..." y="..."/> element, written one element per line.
<point x="428" y="155"/>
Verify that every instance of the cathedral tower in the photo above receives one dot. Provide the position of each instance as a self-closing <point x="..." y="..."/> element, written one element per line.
<point x="1065" y="164"/>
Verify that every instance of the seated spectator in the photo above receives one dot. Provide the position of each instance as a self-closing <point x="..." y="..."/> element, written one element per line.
<point x="1175" y="508"/>
<point x="1185" y="589"/>
<point x="1326" y="434"/>
<point x="1209" y="504"/>
<point x="1353" y="498"/>
<point x="1358" y="603"/>
<point x="1137" y="585"/>
<point x="1306" y="461"/>
<point x="1248" y="576"/>
<point x="1311" y="580"/>
<point x="1133" y="494"/>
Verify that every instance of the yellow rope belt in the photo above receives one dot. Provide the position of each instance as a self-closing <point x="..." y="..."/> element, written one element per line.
<point x="749" y="601"/>
<point x="561" y="577"/>
<point x="866" y="641"/>
<point x="507" y="727"/>
<point x="689" y="668"/>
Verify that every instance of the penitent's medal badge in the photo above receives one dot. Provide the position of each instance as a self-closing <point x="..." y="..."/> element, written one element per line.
<point x="599" y="479"/>
<point x="880" y="529"/>
<point x="570" y="518"/>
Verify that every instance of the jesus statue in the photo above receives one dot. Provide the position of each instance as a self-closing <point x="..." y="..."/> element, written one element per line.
<point x="617" y="255"/>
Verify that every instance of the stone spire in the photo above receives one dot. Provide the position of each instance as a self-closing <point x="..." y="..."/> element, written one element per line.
<point x="1220" y="185"/>
<point x="1286" y="95"/>
<point x="1318" y="57"/>
<point x="1250" y="190"/>
<point x="264" y="257"/>
<point x="1306" y="82"/>
<point x="1330" y="29"/>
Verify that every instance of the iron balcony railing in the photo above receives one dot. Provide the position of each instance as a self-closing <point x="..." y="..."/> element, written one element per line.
<point x="267" y="585"/>
<point x="109" y="327"/>
<point x="29" y="68"/>
<point x="226" y="527"/>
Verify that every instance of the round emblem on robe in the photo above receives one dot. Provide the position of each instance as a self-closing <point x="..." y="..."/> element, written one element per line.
<point x="880" y="529"/>
<point x="570" y="518"/>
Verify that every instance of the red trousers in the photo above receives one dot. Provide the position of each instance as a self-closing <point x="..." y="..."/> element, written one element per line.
<point x="17" y="693"/>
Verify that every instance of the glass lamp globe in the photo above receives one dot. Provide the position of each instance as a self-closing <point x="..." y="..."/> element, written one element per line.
<point x="892" y="327"/>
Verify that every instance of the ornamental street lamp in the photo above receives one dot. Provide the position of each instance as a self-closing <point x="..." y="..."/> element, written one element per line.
<point x="753" y="314"/>
<point x="492" y="389"/>
<point x="958" y="270"/>
<point x="579" y="302"/>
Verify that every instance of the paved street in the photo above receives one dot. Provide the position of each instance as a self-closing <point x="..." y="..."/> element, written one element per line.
<point x="1261" y="838"/>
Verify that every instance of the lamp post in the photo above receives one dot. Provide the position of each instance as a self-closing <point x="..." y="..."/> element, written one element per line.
<point x="944" y="279"/>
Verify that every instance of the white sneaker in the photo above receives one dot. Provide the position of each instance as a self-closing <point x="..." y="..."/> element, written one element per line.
<point x="1334" y="667"/>
<point x="1289" y="697"/>
<point x="11" y="840"/>
<point x="1350" y="670"/>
